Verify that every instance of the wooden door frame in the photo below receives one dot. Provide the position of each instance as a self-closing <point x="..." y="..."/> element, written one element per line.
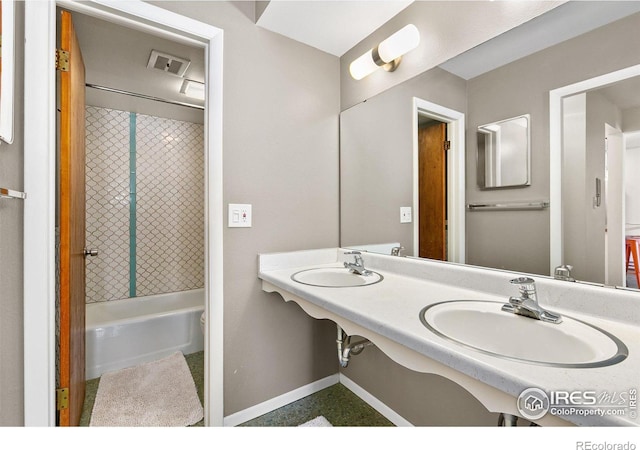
<point x="455" y="121"/>
<point x="40" y="182"/>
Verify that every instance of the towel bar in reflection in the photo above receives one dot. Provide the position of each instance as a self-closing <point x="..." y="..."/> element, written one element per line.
<point x="507" y="206"/>
<point x="9" y="193"/>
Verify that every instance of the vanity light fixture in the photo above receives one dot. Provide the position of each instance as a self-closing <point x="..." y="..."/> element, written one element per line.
<point x="193" y="89"/>
<point x="387" y="54"/>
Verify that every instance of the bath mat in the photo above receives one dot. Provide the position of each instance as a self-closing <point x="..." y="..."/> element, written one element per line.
<point x="156" y="394"/>
<point x="319" y="421"/>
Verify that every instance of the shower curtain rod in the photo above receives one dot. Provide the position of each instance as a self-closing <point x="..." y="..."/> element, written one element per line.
<point x="146" y="97"/>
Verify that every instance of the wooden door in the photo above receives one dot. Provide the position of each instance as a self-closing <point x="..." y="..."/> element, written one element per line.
<point x="432" y="182"/>
<point x="72" y="227"/>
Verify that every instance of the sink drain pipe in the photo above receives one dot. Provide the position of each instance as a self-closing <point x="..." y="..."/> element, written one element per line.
<point x="507" y="420"/>
<point x="346" y="348"/>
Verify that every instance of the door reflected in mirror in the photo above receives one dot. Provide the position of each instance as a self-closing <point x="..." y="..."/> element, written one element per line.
<point x="503" y="153"/>
<point x="432" y="189"/>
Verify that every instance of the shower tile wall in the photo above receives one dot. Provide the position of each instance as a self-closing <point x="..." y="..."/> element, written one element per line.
<point x="152" y="240"/>
<point x="107" y="205"/>
<point x="170" y="225"/>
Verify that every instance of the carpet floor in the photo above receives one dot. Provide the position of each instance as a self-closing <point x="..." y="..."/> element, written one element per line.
<point x="337" y="404"/>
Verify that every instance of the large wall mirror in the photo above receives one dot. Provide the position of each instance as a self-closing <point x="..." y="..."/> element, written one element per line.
<point x="380" y="169"/>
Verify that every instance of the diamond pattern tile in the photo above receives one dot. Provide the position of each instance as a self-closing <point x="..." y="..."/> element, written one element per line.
<point x="107" y="203"/>
<point x="170" y="205"/>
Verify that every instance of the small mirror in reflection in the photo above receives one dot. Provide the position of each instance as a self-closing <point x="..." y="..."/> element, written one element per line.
<point x="503" y="153"/>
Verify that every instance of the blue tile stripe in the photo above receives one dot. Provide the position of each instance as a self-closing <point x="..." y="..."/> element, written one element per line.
<point x="132" y="205"/>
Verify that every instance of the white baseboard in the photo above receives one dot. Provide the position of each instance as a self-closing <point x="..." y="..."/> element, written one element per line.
<point x="311" y="388"/>
<point x="280" y="401"/>
<point x="376" y="404"/>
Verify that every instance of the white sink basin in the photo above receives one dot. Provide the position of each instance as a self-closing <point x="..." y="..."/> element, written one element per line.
<point x="483" y="326"/>
<point x="334" y="277"/>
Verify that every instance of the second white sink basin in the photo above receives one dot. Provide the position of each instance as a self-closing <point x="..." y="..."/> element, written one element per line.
<point x="334" y="277"/>
<point x="483" y="326"/>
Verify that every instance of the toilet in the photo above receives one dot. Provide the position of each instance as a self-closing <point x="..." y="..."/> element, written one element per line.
<point x="202" y="323"/>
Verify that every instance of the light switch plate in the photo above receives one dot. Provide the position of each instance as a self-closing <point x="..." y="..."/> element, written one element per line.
<point x="239" y="215"/>
<point x="405" y="214"/>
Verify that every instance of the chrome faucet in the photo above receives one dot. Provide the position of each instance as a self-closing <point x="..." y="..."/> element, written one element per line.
<point x="527" y="304"/>
<point x="357" y="266"/>
<point x="563" y="273"/>
<point x="395" y="251"/>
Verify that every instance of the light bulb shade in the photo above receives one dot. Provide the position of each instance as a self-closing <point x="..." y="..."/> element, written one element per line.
<point x="193" y="89"/>
<point x="362" y="66"/>
<point x="396" y="45"/>
<point x="399" y="43"/>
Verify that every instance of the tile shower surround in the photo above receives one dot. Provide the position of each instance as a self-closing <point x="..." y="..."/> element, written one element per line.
<point x="145" y="204"/>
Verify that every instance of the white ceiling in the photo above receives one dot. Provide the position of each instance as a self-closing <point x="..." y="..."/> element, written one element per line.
<point x="564" y="22"/>
<point x="331" y="26"/>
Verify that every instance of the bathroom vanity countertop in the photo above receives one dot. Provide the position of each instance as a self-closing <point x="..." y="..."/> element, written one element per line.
<point x="391" y="309"/>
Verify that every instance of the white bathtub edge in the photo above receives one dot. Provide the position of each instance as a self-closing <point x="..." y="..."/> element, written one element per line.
<point x="117" y="341"/>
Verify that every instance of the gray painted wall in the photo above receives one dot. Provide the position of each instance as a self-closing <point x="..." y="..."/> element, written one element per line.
<point x="422" y="399"/>
<point x="281" y="105"/>
<point x="631" y="120"/>
<point x="11" y="255"/>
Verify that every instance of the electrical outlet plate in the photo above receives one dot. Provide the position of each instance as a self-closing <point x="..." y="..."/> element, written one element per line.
<point x="239" y="215"/>
<point x="405" y="214"/>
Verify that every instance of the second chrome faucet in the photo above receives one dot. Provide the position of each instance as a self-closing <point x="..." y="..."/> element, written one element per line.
<point x="527" y="304"/>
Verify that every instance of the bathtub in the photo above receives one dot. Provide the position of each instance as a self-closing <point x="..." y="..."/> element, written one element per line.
<point x="124" y="333"/>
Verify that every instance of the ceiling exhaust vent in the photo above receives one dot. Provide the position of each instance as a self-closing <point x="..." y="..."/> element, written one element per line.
<point x="168" y="63"/>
